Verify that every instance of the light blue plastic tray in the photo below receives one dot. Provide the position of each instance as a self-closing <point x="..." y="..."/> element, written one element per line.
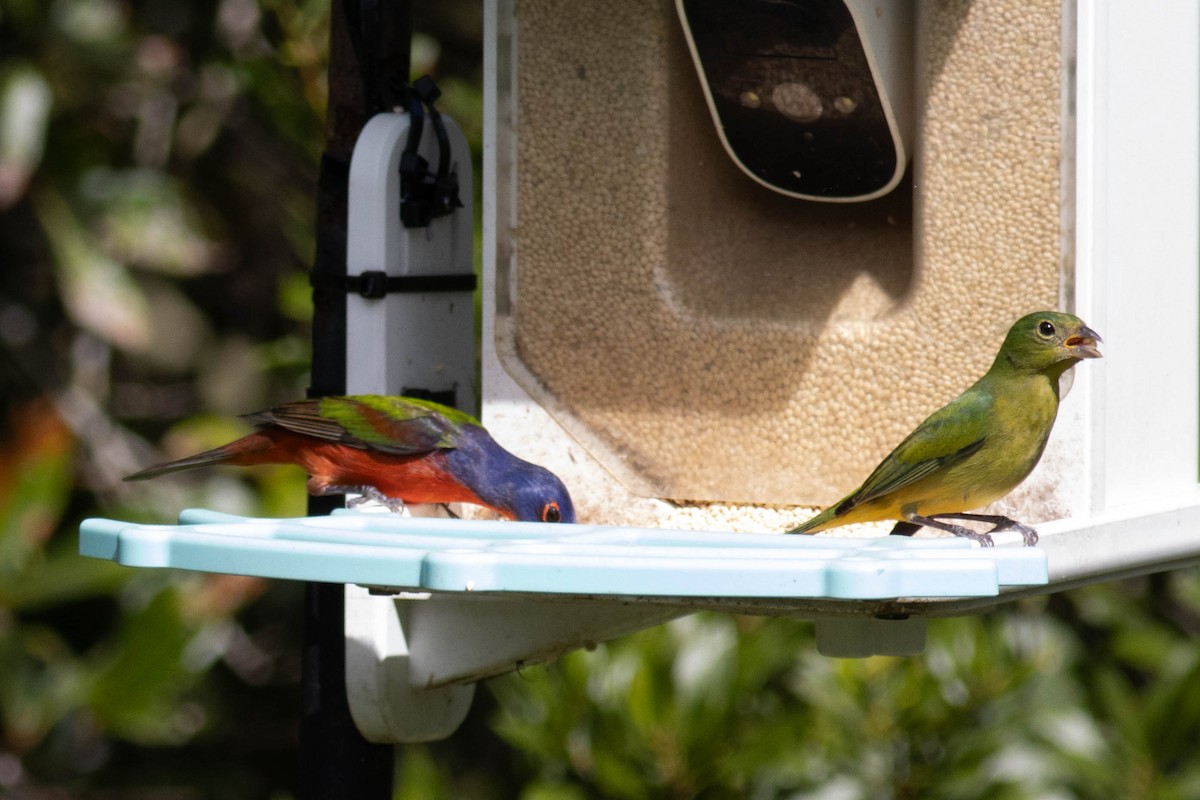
<point x="420" y="554"/>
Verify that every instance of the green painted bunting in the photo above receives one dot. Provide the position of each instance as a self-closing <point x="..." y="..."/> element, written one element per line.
<point x="979" y="446"/>
<point x="395" y="450"/>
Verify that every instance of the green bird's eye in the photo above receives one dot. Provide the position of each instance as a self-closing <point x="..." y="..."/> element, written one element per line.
<point x="1046" y="328"/>
<point x="551" y="513"/>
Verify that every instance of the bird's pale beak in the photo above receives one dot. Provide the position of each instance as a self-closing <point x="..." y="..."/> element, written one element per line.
<point x="1082" y="343"/>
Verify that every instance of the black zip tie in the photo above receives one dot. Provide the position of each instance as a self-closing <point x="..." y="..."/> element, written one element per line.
<point x="444" y="197"/>
<point x="413" y="166"/>
<point x="374" y="284"/>
<point x="425" y="196"/>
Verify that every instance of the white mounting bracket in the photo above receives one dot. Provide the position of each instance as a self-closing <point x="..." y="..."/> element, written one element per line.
<point x="408" y="339"/>
<point x="381" y="358"/>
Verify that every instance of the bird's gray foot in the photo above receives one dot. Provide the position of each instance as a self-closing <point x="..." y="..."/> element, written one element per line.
<point x="1028" y="534"/>
<point x="984" y="539"/>
<point x="999" y="523"/>
<point x="366" y="493"/>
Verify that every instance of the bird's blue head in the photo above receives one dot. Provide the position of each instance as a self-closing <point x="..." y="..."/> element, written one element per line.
<point x="512" y="486"/>
<point x="537" y="495"/>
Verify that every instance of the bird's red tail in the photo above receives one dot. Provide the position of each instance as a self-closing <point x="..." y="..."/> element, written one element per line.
<point x="239" y="453"/>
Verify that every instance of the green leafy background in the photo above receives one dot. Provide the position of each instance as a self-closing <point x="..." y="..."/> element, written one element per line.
<point x="157" y="184"/>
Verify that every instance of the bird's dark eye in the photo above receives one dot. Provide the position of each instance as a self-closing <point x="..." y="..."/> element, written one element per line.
<point x="1046" y="328"/>
<point x="551" y="513"/>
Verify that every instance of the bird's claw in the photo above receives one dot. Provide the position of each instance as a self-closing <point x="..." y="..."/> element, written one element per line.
<point x="984" y="539"/>
<point x="365" y="493"/>
<point x="1028" y="535"/>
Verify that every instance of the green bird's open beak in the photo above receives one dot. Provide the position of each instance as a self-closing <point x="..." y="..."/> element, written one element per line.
<point x="1082" y="343"/>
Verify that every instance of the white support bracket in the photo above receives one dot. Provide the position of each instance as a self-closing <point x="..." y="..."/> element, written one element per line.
<point x="381" y="686"/>
<point x="458" y="638"/>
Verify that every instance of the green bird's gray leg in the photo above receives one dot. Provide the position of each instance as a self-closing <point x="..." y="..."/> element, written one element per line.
<point x="984" y="539"/>
<point x="394" y="504"/>
<point x="999" y="523"/>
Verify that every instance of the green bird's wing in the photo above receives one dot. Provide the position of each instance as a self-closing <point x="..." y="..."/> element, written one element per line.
<point x="948" y="436"/>
<point x="398" y="425"/>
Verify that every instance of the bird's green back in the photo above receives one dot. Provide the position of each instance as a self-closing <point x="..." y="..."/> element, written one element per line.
<point x="396" y="424"/>
<point x="950" y="434"/>
<point x="390" y="424"/>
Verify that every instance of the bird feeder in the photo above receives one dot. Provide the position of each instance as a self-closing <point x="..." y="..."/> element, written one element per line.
<point x="696" y="327"/>
<point x="686" y="338"/>
<point x="694" y="347"/>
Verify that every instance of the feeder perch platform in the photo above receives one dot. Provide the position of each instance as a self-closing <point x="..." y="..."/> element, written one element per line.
<point x="434" y="605"/>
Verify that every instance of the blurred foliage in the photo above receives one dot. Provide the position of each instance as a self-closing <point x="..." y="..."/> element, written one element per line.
<point x="1080" y="696"/>
<point x="157" y="184"/>
<point x="156" y="195"/>
<point x="158" y="165"/>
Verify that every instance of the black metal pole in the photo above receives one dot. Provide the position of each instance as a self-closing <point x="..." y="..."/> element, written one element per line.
<point x="368" y="44"/>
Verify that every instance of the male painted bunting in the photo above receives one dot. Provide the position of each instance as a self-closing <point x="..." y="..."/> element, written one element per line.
<point x="979" y="446"/>
<point x="395" y="450"/>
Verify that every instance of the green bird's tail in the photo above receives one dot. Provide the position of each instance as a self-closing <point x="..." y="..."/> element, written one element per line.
<point x="818" y="523"/>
